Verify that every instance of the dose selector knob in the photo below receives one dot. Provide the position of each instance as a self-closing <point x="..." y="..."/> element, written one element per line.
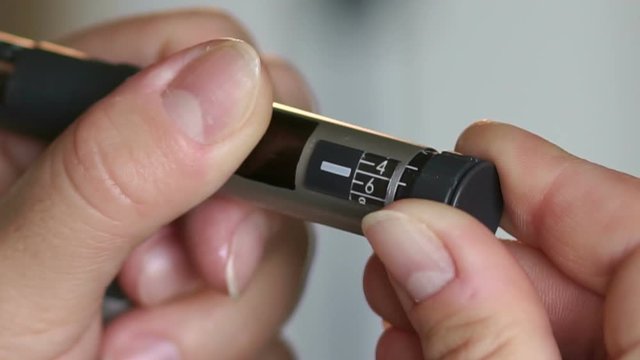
<point x="464" y="182"/>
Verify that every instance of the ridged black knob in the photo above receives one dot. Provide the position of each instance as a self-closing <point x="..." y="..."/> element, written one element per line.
<point x="464" y="182"/>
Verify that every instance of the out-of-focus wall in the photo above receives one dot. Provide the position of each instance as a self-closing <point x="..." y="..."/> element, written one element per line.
<point x="423" y="70"/>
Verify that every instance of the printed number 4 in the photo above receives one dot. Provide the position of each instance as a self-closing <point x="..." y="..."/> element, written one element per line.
<point x="382" y="167"/>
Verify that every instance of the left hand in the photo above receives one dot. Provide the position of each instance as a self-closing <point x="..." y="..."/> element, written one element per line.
<point x="180" y="277"/>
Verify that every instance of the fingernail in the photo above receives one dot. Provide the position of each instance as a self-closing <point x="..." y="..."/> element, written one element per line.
<point x="215" y="91"/>
<point x="146" y="348"/>
<point x="246" y="248"/>
<point x="410" y="251"/>
<point x="165" y="272"/>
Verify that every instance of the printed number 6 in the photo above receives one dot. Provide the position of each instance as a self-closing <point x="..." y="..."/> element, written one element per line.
<point x="369" y="188"/>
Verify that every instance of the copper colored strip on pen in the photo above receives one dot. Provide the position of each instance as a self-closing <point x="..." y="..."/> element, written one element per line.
<point x="43" y="45"/>
<point x="17" y="40"/>
<point x="62" y="50"/>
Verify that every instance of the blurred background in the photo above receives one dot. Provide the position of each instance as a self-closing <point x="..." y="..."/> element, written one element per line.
<point x="421" y="70"/>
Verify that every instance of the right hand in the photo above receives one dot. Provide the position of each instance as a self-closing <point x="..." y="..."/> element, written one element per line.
<point x="570" y="285"/>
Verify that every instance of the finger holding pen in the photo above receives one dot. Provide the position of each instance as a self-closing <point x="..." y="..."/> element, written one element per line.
<point x="282" y="270"/>
<point x="135" y="161"/>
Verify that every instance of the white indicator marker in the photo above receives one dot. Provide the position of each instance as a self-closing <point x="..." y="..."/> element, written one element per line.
<point x="335" y="169"/>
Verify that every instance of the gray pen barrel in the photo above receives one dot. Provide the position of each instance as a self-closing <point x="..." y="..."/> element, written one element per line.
<point x="325" y="171"/>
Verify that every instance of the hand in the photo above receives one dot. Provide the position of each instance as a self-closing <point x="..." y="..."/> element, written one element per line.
<point x="106" y="194"/>
<point x="568" y="287"/>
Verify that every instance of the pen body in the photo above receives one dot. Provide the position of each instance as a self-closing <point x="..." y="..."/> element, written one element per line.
<point x="329" y="172"/>
<point x="307" y="166"/>
<point x="45" y="91"/>
<point x="335" y="173"/>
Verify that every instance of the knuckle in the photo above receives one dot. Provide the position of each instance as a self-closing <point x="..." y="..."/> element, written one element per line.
<point x="557" y="214"/>
<point x="199" y="25"/>
<point x="461" y="337"/>
<point x="221" y="22"/>
<point x="102" y="166"/>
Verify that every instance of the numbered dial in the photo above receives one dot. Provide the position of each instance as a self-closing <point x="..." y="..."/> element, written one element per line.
<point x="350" y="174"/>
<point x="372" y="179"/>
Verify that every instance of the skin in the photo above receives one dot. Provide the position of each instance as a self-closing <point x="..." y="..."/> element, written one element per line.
<point x="94" y="205"/>
<point x="568" y="287"/>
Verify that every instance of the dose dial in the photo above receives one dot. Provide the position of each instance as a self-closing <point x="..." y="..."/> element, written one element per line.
<point x="372" y="179"/>
<point x="350" y="174"/>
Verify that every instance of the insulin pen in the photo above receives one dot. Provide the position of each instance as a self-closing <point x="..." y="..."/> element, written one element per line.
<point x="306" y="166"/>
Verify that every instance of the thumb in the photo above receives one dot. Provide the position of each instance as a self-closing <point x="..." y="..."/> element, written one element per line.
<point x="463" y="293"/>
<point x="160" y="144"/>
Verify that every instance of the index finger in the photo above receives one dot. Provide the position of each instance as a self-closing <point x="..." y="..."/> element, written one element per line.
<point x="583" y="216"/>
<point x="136" y="40"/>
